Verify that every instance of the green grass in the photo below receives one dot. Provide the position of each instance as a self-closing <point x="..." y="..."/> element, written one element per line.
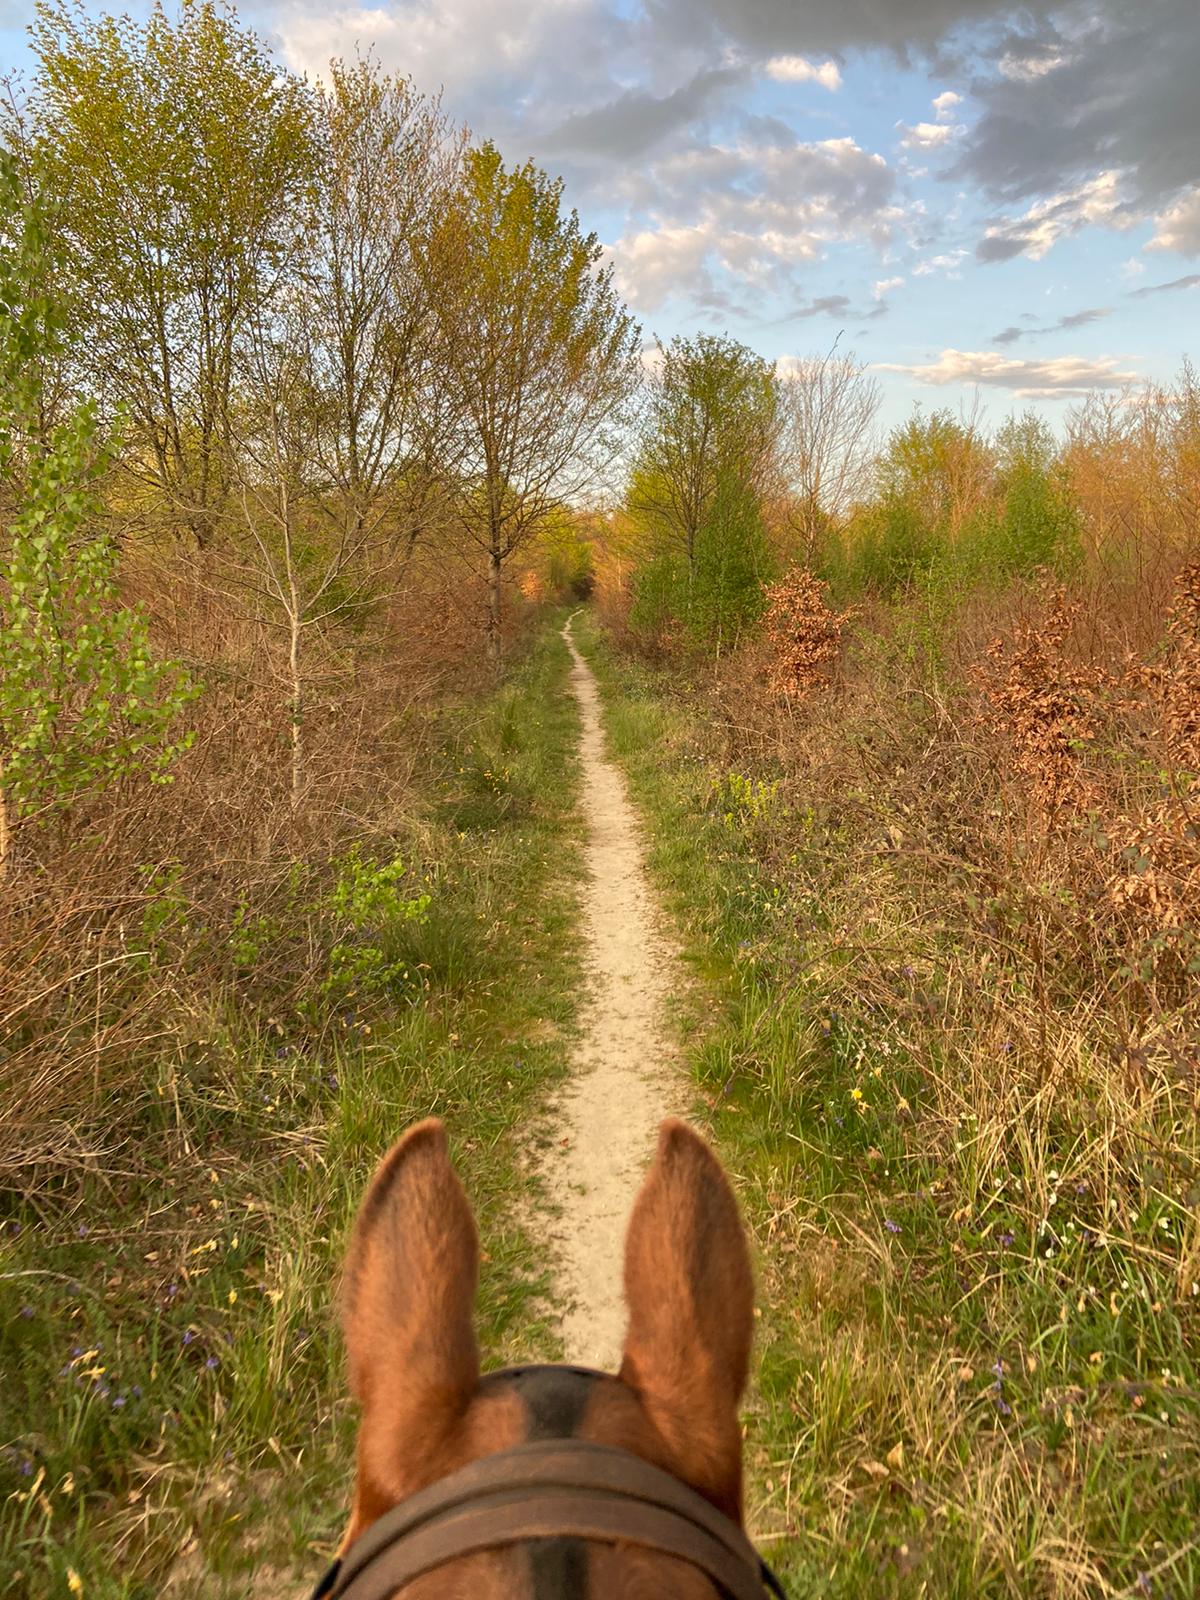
<point x="173" y="1400"/>
<point x="976" y="1370"/>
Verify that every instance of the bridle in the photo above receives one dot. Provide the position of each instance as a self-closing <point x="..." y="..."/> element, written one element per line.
<point x="549" y="1489"/>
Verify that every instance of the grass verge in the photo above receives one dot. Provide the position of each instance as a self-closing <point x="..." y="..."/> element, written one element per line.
<point x="173" y="1412"/>
<point x="978" y="1247"/>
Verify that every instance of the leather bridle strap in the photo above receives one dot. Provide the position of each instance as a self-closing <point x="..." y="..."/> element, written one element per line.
<point x="548" y="1490"/>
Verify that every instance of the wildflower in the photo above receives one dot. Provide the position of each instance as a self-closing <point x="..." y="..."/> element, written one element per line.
<point x="1007" y="1239"/>
<point x="74" y="1581"/>
<point x="211" y="1364"/>
<point x="856" y="1094"/>
<point x="892" y="1227"/>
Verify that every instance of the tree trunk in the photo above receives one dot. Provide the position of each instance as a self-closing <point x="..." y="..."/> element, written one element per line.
<point x="296" y="711"/>
<point x="493" y="624"/>
<point x="5" y="831"/>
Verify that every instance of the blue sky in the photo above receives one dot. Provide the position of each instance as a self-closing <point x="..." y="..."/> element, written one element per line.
<point x="976" y="200"/>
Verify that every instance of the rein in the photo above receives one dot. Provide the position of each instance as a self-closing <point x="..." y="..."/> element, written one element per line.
<point x="548" y="1489"/>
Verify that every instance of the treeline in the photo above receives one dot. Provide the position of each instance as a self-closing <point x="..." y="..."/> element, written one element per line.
<point x="746" y="474"/>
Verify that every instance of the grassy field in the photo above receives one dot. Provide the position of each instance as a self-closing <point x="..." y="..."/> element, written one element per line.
<point x="173" y="1410"/>
<point x="976" y="1221"/>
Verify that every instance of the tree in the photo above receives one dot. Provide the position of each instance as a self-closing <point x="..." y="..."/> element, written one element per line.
<point x="828" y="406"/>
<point x="712" y="416"/>
<point x="706" y="458"/>
<point x="341" y="420"/>
<point x="539" y="351"/>
<point x="1038" y="522"/>
<point x="940" y="468"/>
<point x="387" y="165"/>
<point x="83" y="702"/>
<point x="180" y="153"/>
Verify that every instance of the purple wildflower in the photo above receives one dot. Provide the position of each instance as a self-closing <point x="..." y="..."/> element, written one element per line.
<point x="1007" y="1239"/>
<point x="892" y="1227"/>
<point x="212" y="1364"/>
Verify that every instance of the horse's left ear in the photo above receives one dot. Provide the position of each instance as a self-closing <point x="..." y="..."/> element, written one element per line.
<point x="407" y="1309"/>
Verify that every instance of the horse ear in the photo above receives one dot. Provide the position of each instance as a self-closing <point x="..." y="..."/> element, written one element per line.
<point x="691" y="1312"/>
<point x="407" y="1305"/>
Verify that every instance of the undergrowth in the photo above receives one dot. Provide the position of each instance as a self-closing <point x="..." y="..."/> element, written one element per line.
<point x="174" y="1410"/>
<point x="958" y="1087"/>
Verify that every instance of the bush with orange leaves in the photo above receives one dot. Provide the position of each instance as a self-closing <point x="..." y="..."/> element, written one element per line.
<point x="533" y="587"/>
<point x="1045" y="708"/>
<point x="1173" y="683"/>
<point x="1158" y="876"/>
<point x="803" y="632"/>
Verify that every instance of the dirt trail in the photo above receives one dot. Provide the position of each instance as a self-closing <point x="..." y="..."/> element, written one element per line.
<point x="624" y="1080"/>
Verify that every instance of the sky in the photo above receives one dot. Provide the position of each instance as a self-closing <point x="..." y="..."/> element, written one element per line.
<point x="988" y="206"/>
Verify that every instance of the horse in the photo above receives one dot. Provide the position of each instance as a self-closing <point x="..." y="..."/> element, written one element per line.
<point x="547" y="1482"/>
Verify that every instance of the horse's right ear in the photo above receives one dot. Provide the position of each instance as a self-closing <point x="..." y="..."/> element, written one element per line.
<point x="407" y="1309"/>
<point x="691" y="1312"/>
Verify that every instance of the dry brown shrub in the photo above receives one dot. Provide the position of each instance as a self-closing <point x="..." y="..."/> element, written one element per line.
<point x="1043" y="707"/>
<point x="1158" y="873"/>
<point x="1173" y="683"/>
<point x="116" y="925"/>
<point x="1157" y="876"/>
<point x="803" y="633"/>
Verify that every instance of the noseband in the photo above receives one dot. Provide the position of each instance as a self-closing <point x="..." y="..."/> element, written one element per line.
<point x="549" y="1489"/>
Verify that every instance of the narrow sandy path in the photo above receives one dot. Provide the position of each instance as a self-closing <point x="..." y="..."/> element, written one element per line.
<point x="624" y="1078"/>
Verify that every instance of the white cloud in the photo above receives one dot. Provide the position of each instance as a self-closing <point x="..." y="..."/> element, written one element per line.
<point x="655" y="263"/>
<point x="798" y="69"/>
<point x="883" y="286"/>
<point x="1026" y="68"/>
<point x="1133" y="268"/>
<point x="1099" y="200"/>
<point x="944" y="104"/>
<point x="947" y="263"/>
<point x="1178" y="228"/>
<point x="497" y="60"/>
<point x="1059" y="375"/>
<point x="752" y="211"/>
<point x="929" y="135"/>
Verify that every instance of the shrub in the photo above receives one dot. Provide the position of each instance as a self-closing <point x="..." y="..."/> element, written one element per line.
<point x="803" y="632"/>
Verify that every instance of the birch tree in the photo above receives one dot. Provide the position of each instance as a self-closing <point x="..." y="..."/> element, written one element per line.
<point x="828" y="408"/>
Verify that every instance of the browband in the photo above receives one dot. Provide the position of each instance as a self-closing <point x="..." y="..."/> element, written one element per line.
<point x="548" y="1489"/>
